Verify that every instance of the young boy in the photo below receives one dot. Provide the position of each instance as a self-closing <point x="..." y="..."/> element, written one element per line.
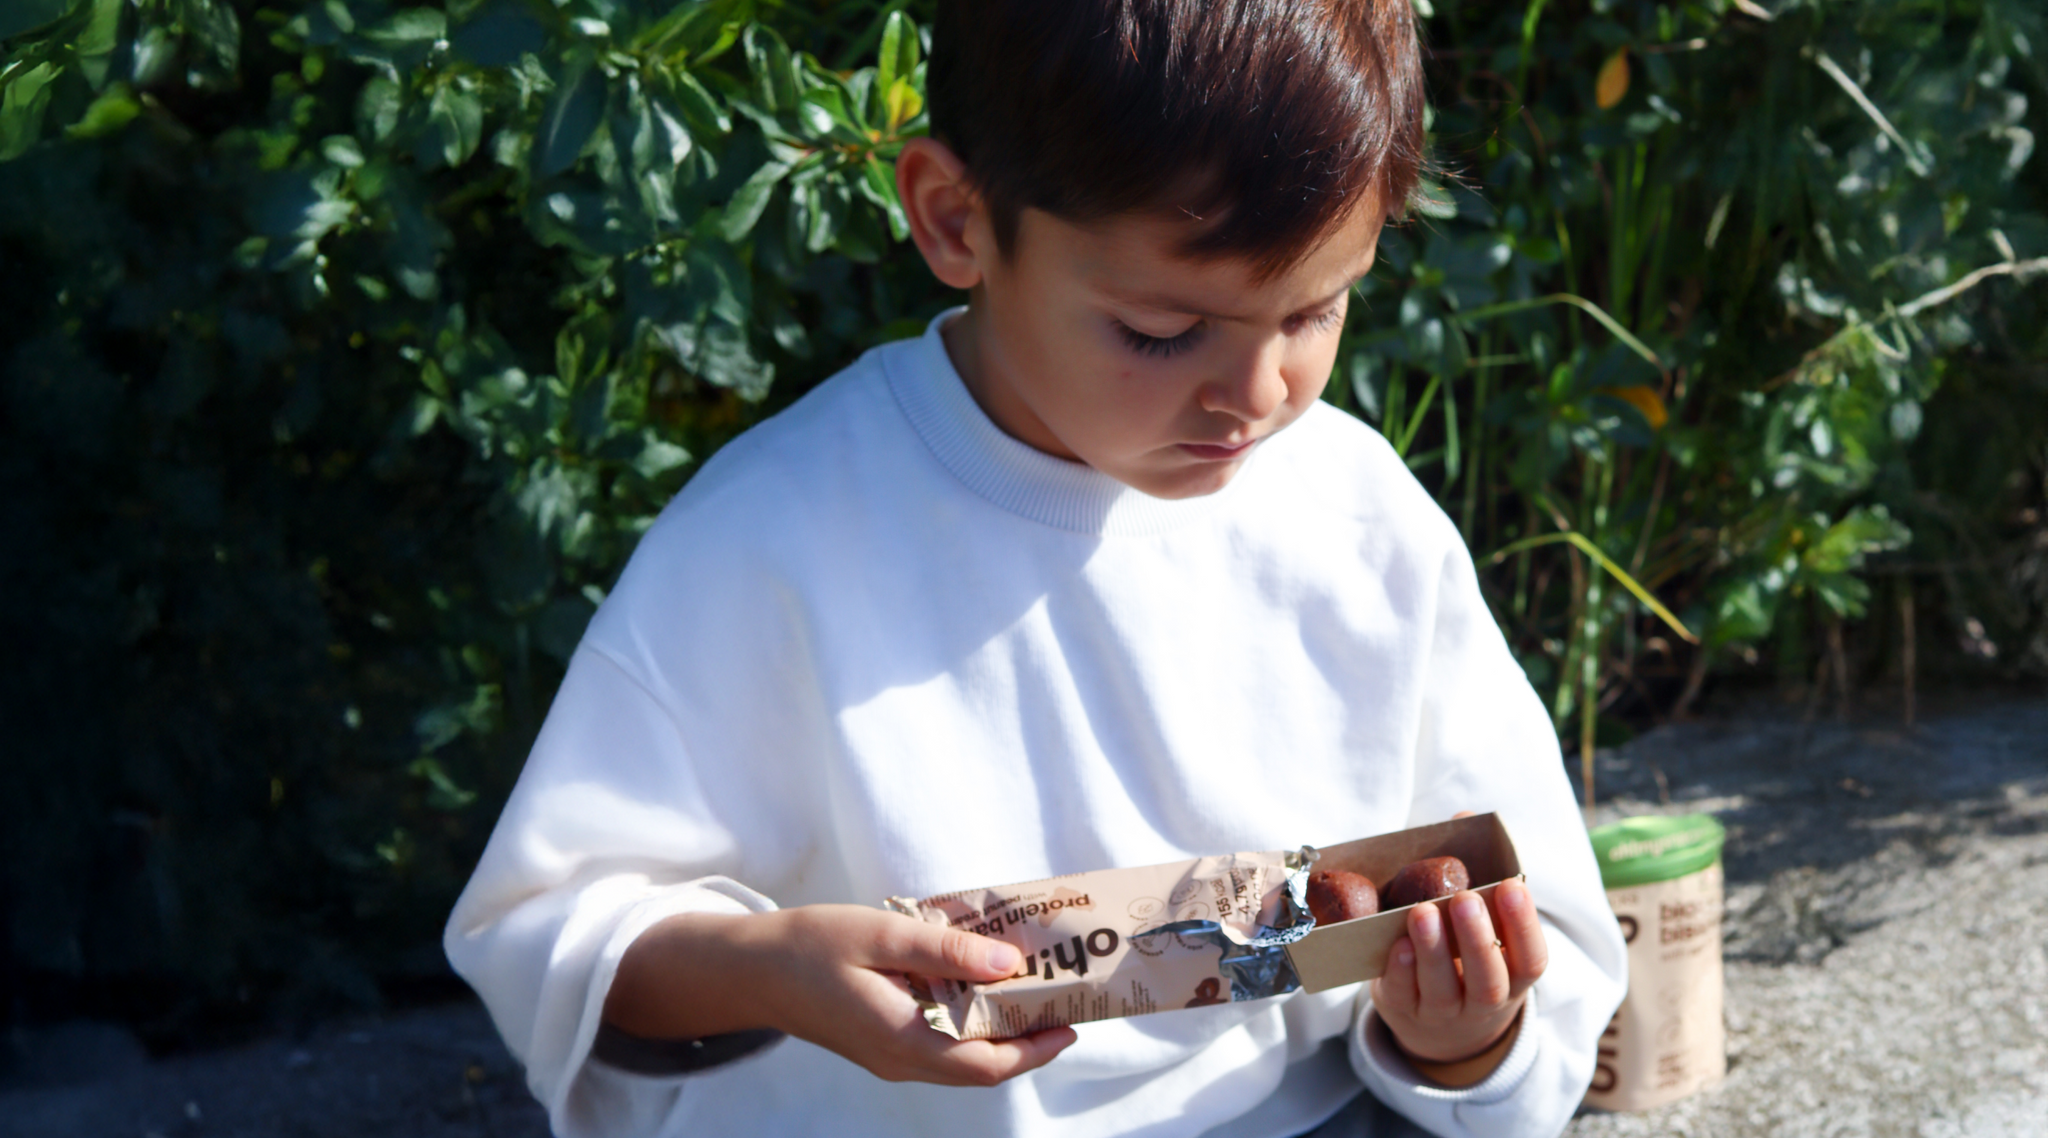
<point x="1085" y="577"/>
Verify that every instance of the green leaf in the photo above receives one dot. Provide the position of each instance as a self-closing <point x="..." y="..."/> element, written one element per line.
<point x="699" y="107"/>
<point x="899" y="50"/>
<point x="342" y="150"/>
<point x="658" y="456"/>
<point x="411" y="27"/>
<point x="338" y="13"/>
<point x="378" y="106"/>
<point x="95" y="45"/>
<point x="457" y="118"/>
<point x="114" y="109"/>
<point x="878" y="184"/>
<point x="443" y="793"/>
<point x="1432" y="200"/>
<point x="789" y="333"/>
<point x="25" y="96"/>
<point x="684" y="29"/>
<point x="828" y="210"/>
<point x="674" y="138"/>
<point x="571" y="118"/>
<point x="774" y="71"/>
<point x="1745" y="611"/>
<point x="863" y="236"/>
<point x="902" y="103"/>
<point x="749" y="200"/>
<point x="213" y="45"/>
<point x="816" y="117"/>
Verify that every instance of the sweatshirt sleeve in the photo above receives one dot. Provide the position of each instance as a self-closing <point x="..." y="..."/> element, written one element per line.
<point x="1484" y="744"/>
<point x="607" y="833"/>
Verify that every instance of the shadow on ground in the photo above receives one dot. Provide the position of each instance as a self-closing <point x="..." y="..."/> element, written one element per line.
<point x="433" y="1073"/>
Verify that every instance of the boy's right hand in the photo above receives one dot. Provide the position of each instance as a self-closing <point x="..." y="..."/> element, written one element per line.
<point x="829" y="974"/>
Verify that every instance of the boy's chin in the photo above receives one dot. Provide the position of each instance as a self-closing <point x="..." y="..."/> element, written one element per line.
<point x="1175" y="483"/>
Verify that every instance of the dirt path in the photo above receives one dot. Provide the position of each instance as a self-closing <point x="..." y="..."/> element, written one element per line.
<point x="1887" y="976"/>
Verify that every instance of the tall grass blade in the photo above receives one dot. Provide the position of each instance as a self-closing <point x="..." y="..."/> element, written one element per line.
<point x="1585" y="546"/>
<point x="1489" y="311"/>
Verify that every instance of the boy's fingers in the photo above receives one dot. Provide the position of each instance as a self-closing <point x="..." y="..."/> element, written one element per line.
<point x="1394" y="992"/>
<point x="989" y="1063"/>
<point x="1436" y="976"/>
<point x="1486" y="971"/>
<point x="1528" y="954"/>
<point x="981" y="1062"/>
<point x="928" y="950"/>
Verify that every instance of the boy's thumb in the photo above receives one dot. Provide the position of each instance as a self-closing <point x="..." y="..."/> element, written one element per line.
<point x="960" y="955"/>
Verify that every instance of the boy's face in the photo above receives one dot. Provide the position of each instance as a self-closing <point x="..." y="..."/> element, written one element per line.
<point x="1099" y="343"/>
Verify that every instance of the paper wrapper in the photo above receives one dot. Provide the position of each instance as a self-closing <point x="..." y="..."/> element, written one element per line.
<point x="1123" y="942"/>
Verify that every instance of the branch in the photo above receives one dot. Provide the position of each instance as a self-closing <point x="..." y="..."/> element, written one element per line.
<point x="1976" y="277"/>
<point x="1841" y="77"/>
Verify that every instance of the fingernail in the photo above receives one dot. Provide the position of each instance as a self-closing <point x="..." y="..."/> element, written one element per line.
<point x="1509" y="896"/>
<point x="1002" y="957"/>
<point x="1471" y="908"/>
<point x="1426" y="920"/>
<point x="1405" y="954"/>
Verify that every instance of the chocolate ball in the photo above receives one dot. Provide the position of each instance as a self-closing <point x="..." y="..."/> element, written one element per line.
<point x="1337" y="895"/>
<point x="1426" y="880"/>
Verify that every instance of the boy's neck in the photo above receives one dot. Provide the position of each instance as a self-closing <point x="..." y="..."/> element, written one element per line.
<point x="971" y="348"/>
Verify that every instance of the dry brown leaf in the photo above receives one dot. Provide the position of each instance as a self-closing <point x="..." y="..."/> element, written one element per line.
<point x="1612" y="85"/>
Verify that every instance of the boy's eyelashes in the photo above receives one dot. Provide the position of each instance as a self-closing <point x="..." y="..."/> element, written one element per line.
<point x="1158" y="346"/>
<point x="1161" y="347"/>
<point x="1324" y="321"/>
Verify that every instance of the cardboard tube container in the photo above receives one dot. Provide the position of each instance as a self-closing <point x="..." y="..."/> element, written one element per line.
<point x="1663" y="877"/>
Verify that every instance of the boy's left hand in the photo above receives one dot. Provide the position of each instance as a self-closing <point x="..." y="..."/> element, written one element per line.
<point x="1445" y="1010"/>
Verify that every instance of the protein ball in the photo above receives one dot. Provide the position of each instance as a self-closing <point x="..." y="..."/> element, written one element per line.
<point x="1425" y="880"/>
<point x="1338" y="895"/>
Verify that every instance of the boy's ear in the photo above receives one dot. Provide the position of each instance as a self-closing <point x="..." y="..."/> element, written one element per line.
<point x="943" y="210"/>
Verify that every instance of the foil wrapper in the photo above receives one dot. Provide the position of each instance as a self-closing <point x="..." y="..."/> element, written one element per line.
<point x="1257" y="968"/>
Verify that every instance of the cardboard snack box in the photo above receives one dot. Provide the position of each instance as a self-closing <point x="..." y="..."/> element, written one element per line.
<point x="1123" y="942"/>
<point x="1346" y="953"/>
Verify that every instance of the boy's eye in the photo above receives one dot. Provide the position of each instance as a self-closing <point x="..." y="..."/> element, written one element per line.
<point x="1322" y="321"/>
<point x="1159" y="346"/>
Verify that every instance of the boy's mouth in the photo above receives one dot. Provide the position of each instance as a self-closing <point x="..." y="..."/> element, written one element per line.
<point x="1214" y="452"/>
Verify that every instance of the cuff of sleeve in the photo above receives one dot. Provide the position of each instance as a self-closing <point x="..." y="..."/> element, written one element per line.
<point x="666" y="1058"/>
<point x="1374" y="1048"/>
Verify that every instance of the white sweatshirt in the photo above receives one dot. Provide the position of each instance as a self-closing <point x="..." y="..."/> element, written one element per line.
<point x="879" y="647"/>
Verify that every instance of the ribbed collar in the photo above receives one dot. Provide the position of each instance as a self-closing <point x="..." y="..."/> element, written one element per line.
<point x="1013" y="475"/>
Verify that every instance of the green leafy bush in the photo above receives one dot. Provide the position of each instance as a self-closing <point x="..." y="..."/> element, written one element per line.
<point x="349" y="345"/>
<point x="1794" y="222"/>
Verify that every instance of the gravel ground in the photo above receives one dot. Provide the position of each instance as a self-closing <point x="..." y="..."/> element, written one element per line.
<point x="433" y="1073"/>
<point x="1887" y="947"/>
<point x="1887" y="936"/>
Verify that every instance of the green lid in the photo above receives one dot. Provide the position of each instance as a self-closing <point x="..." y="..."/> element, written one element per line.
<point x="1637" y="851"/>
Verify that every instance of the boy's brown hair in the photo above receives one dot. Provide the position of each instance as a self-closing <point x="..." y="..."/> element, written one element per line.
<point x="1281" y="115"/>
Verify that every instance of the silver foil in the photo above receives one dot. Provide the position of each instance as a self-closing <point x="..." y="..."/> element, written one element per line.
<point x="1257" y="968"/>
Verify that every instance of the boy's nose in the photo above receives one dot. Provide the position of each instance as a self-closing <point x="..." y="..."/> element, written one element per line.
<point x="1252" y="391"/>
